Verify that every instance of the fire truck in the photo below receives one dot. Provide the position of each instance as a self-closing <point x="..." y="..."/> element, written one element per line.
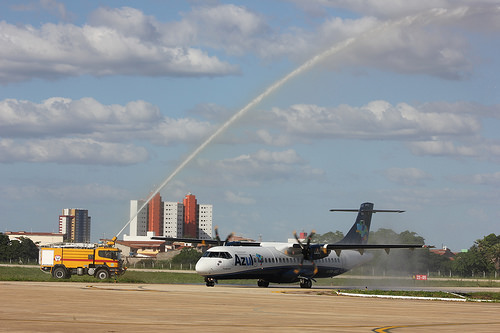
<point x="65" y="260"/>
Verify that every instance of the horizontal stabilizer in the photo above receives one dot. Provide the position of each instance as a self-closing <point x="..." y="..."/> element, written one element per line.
<point x="369" y="210"/>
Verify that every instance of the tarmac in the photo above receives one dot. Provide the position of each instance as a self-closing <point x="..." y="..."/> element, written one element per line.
<point x="115" y="307"/>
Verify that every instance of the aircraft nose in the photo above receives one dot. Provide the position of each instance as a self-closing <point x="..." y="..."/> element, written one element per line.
<point x="203" y="267"/>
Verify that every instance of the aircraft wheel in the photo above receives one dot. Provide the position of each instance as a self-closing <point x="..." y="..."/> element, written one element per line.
<point x="306" y="283"/>
<point x="210" y="282"/>
<point x="263" y="283"/>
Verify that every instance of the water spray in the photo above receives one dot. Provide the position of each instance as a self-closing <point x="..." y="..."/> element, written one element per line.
<point x="311" y="62"/>
<point x="308" y="64"/>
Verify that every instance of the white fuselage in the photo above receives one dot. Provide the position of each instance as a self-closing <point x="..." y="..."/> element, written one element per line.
<point x="270" y="262"/>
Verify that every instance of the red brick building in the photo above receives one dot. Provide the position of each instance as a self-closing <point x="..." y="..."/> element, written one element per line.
<point x="155" y="216"/>
<point x="190" y="216"/>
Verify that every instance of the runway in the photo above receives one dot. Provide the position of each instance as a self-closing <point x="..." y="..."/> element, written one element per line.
<point x="107" y="307"/>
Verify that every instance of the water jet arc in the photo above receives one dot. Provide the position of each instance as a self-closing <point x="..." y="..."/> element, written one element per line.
<point x="308" y="64"/>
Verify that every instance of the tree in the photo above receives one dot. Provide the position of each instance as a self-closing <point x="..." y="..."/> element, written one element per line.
<point x="27" y="249"/>
<point x="483" y="256"/>
<point x="410" y="237"/>
<point x="438" y="263"/>
<point x="22" y="249"/>
<point x="489" y="247"/>
<point x="4" y="247"/>
<point x="188" y="255"/>
<point x="399" y="261"/>
<point x="328" y="237"/>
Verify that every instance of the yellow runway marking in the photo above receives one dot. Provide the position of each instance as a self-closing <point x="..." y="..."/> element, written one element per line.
<point x="139" y="288"/>
<point x="387" y="329"/>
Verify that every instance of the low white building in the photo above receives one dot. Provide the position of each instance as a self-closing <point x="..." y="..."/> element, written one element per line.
<point x="39" y="238"/>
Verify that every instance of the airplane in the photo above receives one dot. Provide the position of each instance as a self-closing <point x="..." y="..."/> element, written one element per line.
<point x="273" y="262"/>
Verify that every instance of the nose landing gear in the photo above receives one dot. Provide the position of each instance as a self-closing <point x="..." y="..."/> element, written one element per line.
<point x="210" y="282"/>
<point x="306" y="283"/>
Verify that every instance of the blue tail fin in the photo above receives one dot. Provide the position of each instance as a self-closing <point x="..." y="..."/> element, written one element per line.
<point x="361" y="228"/>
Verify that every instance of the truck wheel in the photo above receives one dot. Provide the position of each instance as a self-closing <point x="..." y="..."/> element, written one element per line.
<point x="59" y="273"/>
<point x="102" y="274"/>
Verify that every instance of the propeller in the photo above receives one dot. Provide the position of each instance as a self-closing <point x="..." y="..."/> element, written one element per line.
<point x="217" y="237"/>
<point x="307" y="252"/>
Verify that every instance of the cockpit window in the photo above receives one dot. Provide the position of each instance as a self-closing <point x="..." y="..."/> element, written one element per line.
<point x="215" y="254"/>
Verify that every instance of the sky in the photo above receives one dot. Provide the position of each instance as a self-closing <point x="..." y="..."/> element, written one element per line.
<point x="100" y="101"/>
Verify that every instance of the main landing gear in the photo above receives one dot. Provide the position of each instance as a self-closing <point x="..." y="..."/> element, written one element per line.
<point x="263" y="283"/>
<point x="306" y="283"/>
<point x="210" y="282"/>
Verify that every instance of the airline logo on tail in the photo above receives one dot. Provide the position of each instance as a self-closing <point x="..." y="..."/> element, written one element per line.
<point x="362" y="230"/>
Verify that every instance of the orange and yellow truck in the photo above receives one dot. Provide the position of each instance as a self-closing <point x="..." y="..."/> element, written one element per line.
<point x="63" y="261"/>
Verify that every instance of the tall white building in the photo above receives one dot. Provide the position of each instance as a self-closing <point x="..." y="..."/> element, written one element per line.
<point x="74" y="224"/>
<point x="139" y="225"/>
<point x="205" y="221"/>
<point x="173" y="219"/>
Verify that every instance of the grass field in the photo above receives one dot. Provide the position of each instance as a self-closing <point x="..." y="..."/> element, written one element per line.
<point x="33" y="273"/>
<point x="365" y="284"/>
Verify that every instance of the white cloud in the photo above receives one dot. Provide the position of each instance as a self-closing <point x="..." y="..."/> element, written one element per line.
<point x="233" y="28"/>
<point x="413" y="199"/>
<point x="430" y="129"/>
<point x="407" y="176"/>
<point x="386" y="8"/>
<point x="410" y="46"/>
<point x="238" y="198"/>
<point x="54" y="7"/>
<point x="424" y="38"/>
<point x="375" y="120"/>
<point x="263" y="165"/>
<point x="442" y="148"/>
<point x="437" y="129"/>
<point x="59" y="116"/>
<point x="71" y="151"/>
<point x="481" y="148"/>
<point x="91" y="192"/>
<point x="58" y="50"/>
<point x="125" y="41"/>
<point x="85" y="131"/>
<point x="490" y="179"/>
<point x="286" y="157"/>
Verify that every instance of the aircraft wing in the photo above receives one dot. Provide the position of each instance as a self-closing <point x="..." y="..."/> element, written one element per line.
<point x="206" y="241"/>
<point x="338" y="248"/>
<point x="362" y="247"/>
<point x="372" y="246"/>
